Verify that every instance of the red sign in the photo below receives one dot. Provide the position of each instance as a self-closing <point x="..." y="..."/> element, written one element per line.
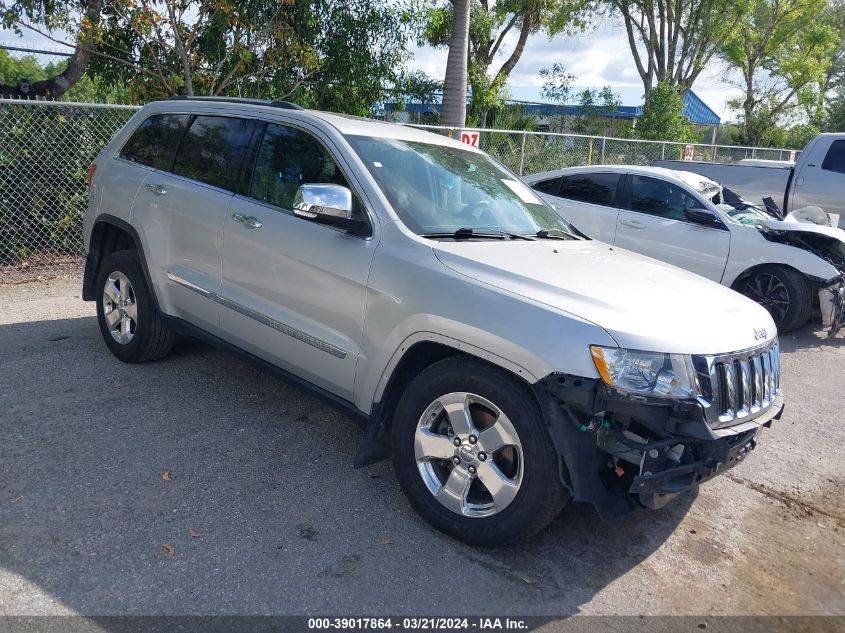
<point x="688" y="152"/>
<point x="470" y="138"/>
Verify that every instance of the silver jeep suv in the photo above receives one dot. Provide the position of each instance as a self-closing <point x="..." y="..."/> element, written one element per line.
<point x="505" y="362"/>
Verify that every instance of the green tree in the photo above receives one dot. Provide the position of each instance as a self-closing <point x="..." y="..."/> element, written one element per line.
<point x="334" y="54"/>
<point x="598" y="109"/>
<point x="454" y="109"/>
<point x="557" y="83"/>
<point x="490" y="25"/>
<point x="835" y="119"/>
<point x="662" y="119"/>
<point x="672" y="41"/>
<point x="799" y="135"/>
<point x="557" y="87"/>
<point x="782" y="51"/>
<point x="17" y="70"/>
<point x="80" y="18"/>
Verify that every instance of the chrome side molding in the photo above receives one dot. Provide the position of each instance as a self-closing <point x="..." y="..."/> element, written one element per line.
<point x="284" y="328"/>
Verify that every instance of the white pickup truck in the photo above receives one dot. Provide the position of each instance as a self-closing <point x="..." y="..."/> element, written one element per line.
<point x="817" y="178"/>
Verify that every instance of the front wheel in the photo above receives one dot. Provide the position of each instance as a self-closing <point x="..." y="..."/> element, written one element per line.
<point x="784" y="292"/>
<point x="472" y="454"/>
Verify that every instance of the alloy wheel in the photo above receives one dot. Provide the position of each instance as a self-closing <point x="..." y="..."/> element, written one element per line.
<point x="770" y="292"/>
<point x="469" y="454"/>
<point x="120" y="308"/>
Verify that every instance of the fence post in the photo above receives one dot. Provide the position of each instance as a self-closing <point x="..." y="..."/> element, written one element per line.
<point x="522" y="154"/>
<point x="663" y="151"/>
<point x="753" y="152"/>
<point x="715" y="147"/>
<point x="603" y="142"/>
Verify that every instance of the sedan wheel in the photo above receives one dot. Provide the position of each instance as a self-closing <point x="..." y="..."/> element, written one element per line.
<point x="783" y="291"/>
<point x="769" y="291"/>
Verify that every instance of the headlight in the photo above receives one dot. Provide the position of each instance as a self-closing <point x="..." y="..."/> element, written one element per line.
<point x="653" y="373"/>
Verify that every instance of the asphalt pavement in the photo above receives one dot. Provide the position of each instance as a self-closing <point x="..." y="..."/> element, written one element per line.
<point x="201" y="485"/>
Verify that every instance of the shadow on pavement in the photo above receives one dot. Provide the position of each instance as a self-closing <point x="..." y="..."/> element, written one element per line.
<point x="200" y="485"/>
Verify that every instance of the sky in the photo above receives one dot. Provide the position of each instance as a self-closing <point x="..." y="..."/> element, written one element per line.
<point x="597" y="58"/>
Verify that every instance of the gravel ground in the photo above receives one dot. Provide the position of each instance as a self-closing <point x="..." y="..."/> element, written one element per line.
<point x="261" y="511"/>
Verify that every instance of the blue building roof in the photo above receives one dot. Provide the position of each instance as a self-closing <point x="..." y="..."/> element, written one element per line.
<point x="695" y="109"/>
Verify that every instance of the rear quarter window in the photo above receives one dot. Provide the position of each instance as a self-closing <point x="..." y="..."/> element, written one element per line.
<point x="835" y="158"/>
<point x="592" y="188"/>
<point x="154" y="142"/>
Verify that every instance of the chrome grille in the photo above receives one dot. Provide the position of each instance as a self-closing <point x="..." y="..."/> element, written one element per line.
<point x="739" y="386"/>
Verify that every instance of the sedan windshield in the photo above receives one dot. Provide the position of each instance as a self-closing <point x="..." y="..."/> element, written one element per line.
<point x="442" y="191"/>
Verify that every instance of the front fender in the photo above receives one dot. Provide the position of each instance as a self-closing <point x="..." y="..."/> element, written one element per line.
<point x="413" y="297"/>
<point x="761" y="251"/>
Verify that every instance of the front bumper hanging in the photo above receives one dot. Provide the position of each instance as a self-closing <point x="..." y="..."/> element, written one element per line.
<point x="622" y="454"/>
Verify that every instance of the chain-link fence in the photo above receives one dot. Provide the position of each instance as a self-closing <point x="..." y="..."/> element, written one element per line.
<point x="531" y="152"/>
<point x="45" y="150"/>
<point x="47" y="146"/>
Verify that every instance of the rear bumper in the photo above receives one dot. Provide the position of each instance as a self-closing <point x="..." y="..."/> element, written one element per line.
<point x="622" y="454"/>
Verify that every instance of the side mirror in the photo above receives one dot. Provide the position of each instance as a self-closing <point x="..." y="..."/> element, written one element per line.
<point x="703" y="217"/>
<point x="327" y="204"/>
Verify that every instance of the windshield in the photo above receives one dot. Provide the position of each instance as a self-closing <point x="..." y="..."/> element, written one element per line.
<point x="438" y="190"/>
<point x="738" y="210"/>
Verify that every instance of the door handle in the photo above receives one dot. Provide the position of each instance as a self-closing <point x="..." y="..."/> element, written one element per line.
<point x="634" y="224"/>
<point x="156" y="189"/>
<point x="249" y="221"/>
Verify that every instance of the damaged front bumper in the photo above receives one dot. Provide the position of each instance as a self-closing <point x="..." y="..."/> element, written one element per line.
<point x="832" y="304"/>
<point x="623" y="453"/>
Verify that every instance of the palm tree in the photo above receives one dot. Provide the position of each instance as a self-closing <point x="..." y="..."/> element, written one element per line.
<point x="454" y="109"/>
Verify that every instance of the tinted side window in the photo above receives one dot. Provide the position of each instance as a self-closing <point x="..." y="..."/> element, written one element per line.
<point x="835" y="159"/>
<point x="593" y="188"/>
<point x="213" y="149"/>
<point x="287" y="159"/>
<point x="154" y="141"/>
<point x="660" y="198"/>
<point x="550" y="186"/>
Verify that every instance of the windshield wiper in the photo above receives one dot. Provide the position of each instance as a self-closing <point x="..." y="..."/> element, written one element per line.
<point x="465" y="233"/>
<point x="555" y="234"/>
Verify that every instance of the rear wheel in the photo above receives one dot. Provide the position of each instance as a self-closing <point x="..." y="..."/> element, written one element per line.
<point x="132" y="327"/>
<point x="784" y="292"/>
<point x="472" y="453"/>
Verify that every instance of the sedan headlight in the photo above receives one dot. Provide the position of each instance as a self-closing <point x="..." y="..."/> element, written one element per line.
<point x="649" y="373"/>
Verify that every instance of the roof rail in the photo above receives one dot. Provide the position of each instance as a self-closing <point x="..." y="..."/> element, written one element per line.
<point x="288" y="105"/>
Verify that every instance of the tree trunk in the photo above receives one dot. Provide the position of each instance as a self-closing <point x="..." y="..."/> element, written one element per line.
<point x="454" y="110"/>
<point x="60" y="84"/>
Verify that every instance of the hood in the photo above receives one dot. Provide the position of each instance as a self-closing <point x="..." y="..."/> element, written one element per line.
<point x="642" y="303"/>
<point x="825" y="241"/>
<point x="805" y="227"/>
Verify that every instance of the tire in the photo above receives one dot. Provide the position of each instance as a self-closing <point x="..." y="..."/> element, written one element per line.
<point x="784" y="292"/>
<point x="132" y="327"/>
<point x="526" y="475"/>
